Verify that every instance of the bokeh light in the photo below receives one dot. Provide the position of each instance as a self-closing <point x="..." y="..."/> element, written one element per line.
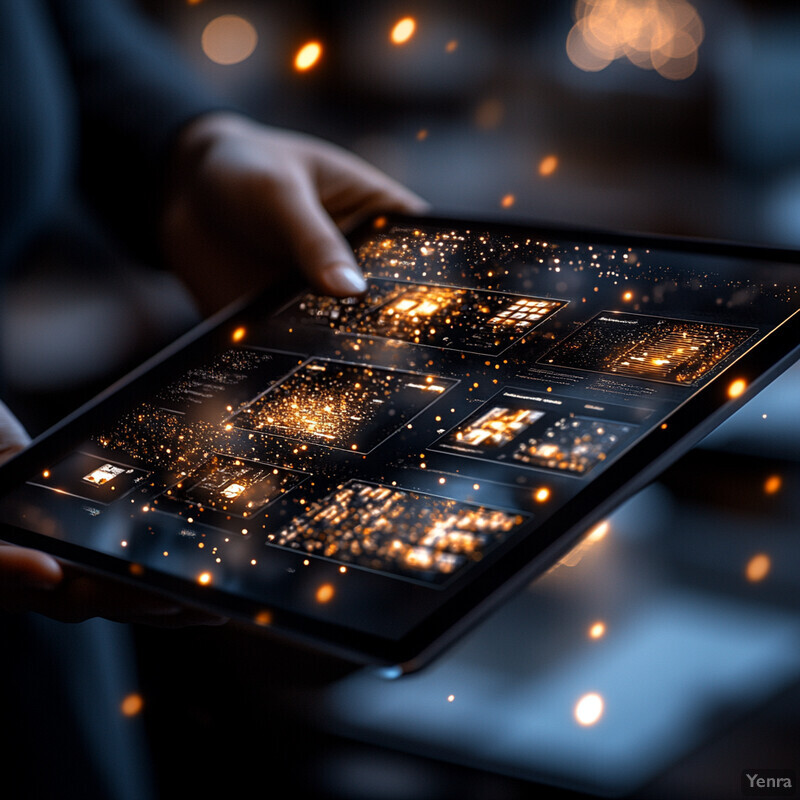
<point x="737" y="388"/>
<point x="132" y="704"/>
<point x="403" y="30"/>
<point x="589" y="709"/>
<point x="758" y="568"/>
<point x="229" y="39"/>
<point x="597" y="630"/>
<point x="548" y="165"/>
<point x="661" y="35"/>
<point x="307" y="56"/>
<point x="325" y="593"/>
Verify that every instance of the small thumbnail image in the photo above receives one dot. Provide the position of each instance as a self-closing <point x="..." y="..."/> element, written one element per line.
<point x="345" y="406"/>
<point x="653" y="348"/>
<point x="90" y="478"/>
<point x="572" y="444"/>
<point x="227" y="382"/>
<point x="545" y="431"/>
<point x="397" y="531"/>
<point x="234" y="486"/>
<point x="472" y="320"/>
<point x="497" y="427"/>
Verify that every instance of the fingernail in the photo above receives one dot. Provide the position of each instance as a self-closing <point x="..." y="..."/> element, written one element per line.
<point x="344" y="280"/>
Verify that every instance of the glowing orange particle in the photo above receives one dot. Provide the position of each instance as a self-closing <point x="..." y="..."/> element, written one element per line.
<point x="238" y="334"/>
<point x="307" y="56"/>
<point x="204" y="578"/>
<point x="757" y="568"/>
<point x="589" y="709"/>
<point x="548" y="165"/>
<point x="132" y="705"/>
<point x="773" y="484"/>
<point x="263" y="618"/>
<point x="403" y="30"/>
<point x="325" y="593"/>
<point x="627" y="297"/>
<point x="597" y="630"/>
<point x="542" y="494"/>
<point x="508" y="201"/>
<point x="451" y="46"/>
<point x="737" y="388"/>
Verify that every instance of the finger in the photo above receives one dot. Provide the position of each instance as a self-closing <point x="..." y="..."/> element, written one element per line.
<point x="13" y="437"/>
<point x="23" y="568"/>
<point x="319" y="247"/>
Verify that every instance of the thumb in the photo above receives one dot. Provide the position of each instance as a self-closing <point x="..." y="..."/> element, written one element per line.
<point x="13" y="437"/>
<point x="321" y="250"/>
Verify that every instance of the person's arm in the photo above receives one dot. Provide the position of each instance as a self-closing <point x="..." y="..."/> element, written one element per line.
<point x="134" y="94"/>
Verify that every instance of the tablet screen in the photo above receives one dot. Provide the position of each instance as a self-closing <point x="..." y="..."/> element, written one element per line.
<point x="365" y="468"/>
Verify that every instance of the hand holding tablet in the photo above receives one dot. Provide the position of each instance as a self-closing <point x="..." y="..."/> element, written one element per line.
<point x="372" y="474"/>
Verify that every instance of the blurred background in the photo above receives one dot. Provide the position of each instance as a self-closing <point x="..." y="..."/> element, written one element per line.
<point x="643" y="115"/>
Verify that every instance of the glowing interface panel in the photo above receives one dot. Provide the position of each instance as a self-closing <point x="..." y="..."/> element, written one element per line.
<point x="389" y="529"/>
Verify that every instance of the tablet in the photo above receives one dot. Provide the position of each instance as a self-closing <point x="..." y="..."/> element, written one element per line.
<point x="373" y="474"/>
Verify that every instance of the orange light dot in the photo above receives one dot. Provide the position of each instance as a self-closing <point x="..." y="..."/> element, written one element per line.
<point x="422" y="134"/>
<point x="380" y="222"/>
<point x="403" y="30"/>
<point x="597" y="630"/>
<point x="737" y="388"/>
<point x="263" y="618"/>
<point x="132" y="705"/>
<point x="450" y="698"/>
<point x="627" y="297"/>
<point x="238" y="334"/>
<point x="508" y="201"/>
<point x="136" y="569"/>
<point x="204" y="578"/>
<point x="46" y="473"/>
<point x="307" y="56"/>
<point x="325" y="593"/>
<point x="758" y="568"/>
<point x="548" y="165"/>
<point x="589" y="709"/>
<point x="451" y="46"/>
<point x="229" y="39"/>
<point x="773" y="484"/>
<point x="542" y="494"/>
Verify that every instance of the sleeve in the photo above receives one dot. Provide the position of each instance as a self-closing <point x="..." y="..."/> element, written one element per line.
<point x="134" y="94"/>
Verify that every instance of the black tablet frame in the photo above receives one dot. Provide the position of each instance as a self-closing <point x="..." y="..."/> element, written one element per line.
<point x="519" y="564"/>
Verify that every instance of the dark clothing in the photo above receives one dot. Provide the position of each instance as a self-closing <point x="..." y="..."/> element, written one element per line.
<point x="89" y="93"/>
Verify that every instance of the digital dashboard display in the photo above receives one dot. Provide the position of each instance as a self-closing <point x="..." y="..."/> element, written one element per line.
<point x="359" y="461"/>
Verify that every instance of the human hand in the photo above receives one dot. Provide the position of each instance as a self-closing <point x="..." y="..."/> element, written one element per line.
<point x="34" y="581"/>
<point x="247" y="201"/>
